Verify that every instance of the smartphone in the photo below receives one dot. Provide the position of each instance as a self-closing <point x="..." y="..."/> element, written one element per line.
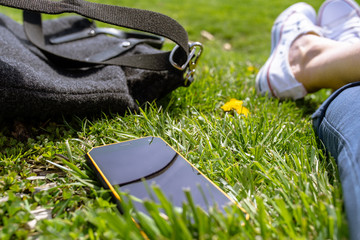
<point x="129" y="165"/>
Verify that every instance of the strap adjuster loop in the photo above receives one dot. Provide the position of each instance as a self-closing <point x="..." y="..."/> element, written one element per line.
<point x="196" y="50"/>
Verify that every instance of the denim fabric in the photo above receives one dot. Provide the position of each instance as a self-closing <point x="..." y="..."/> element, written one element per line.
<point x="337" y="124"/>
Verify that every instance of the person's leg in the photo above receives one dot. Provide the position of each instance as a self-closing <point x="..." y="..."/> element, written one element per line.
<point x="323" y="63"/>
<point x="337" y="124"/>
<point x="318" y="62"/>
<point x="304" y="61"/>
<point x="329" y="62"/>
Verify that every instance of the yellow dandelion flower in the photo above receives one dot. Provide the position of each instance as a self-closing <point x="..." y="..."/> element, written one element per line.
<point x="236" y="105"/>
<point x="251" y="69"/>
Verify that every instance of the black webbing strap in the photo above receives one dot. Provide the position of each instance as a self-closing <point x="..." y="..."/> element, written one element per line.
<point x="137" y="19"/>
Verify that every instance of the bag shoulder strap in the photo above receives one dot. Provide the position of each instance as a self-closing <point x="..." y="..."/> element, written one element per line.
<point x="143" y="20"/>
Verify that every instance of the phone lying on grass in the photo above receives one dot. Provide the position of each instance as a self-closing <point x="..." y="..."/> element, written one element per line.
<point x="127" y="165"/>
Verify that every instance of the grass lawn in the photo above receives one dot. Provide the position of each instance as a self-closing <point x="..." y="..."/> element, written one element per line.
<point x="268" y="162"/>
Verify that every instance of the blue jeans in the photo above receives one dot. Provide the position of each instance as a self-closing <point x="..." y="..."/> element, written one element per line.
<point x="337" y="123"/>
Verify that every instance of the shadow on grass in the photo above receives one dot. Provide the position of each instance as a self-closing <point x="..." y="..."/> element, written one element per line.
<point x="60" y="127"/>
<point x="312" y="102"/>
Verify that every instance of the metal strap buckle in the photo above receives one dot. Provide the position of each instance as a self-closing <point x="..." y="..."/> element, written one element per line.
<point x="196" y="50"/>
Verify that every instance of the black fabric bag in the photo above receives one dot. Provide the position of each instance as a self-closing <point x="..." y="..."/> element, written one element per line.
<point x="70" y="66"/>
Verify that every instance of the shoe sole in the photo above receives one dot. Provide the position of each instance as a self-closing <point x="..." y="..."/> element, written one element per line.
<point x="263" y="75"/>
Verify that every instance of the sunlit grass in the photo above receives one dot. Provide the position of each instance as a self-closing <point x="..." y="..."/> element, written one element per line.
<point x="268" y="162"/>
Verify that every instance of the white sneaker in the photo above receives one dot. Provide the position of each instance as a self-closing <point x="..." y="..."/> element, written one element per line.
<point x="275" y="78"/>
<point x="340" y="20"/>
<point x="300" y="7"/>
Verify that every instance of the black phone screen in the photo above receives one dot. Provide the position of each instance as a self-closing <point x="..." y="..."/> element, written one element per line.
<point x="128" y="164"/>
